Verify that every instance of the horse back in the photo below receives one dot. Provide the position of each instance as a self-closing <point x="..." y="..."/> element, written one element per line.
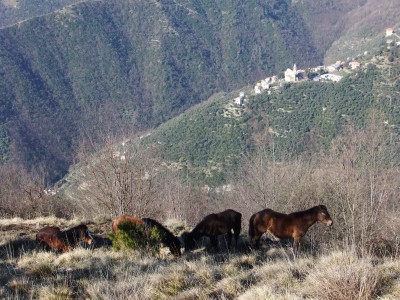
<point x="52" y="237"/>
<point x="126" y="218"/>
<point x="73" y="235"/>
<point x="48" y="230"/>
<point x="220" y="223"/>
<point x="230" y="216"/>
<point x="279" y="224"/>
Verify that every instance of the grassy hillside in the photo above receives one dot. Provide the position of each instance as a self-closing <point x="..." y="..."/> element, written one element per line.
<point x="325" y="19"/>
<point x="364" y="27"/>
<point x="106" y="65"/>
<point x="121" y="67"/>
<point x="101" y="273"/>
<point x="296" y="119"/>
<point x="347" y="28"/>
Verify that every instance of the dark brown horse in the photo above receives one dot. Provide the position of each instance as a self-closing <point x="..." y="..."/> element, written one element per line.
<point x="167" y="237"/>
<point x="214" y="225"/>
<point x="56" y="239"/>
<point x="294" y="225"/>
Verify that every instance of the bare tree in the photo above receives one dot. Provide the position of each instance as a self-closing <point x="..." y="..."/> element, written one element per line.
<point x="357" y="179"/>
<point x="120" y="179"/>
<point x="22" y="193"/>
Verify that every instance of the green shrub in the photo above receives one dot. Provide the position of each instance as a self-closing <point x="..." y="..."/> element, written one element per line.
<point x="136" y="237"/>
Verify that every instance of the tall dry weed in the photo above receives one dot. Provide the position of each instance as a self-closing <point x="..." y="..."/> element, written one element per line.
<point x="343" y="276"/>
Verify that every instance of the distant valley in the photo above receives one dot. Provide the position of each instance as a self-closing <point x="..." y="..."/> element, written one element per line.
<point x="78" y="72"/>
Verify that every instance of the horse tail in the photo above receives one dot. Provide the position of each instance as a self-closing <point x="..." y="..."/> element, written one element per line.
<point x="251" y="226"/>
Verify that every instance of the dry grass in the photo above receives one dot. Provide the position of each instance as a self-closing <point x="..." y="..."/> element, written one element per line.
<point x="270" y="273"/>
<point x="104" y="274"/>
<point x="55" y="293"/>
<point x="342" y="275"/>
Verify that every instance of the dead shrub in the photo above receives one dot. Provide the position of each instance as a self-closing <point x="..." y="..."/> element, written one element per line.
<point x="381" y="247"/>
<point x="343" y="276"/>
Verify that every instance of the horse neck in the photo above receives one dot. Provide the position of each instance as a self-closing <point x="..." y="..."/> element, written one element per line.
<point x="72" y="234"/>
<point x="310" y="217"/>
<point x="196" y="232"/>
<point x="165" y="233"/>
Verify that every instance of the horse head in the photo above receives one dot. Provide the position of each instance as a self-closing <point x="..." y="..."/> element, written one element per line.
<point x="188" y="240"/>
<point x="85" y="235"/>
<point x="175" y="246"/>
<point x="323" y="215"/>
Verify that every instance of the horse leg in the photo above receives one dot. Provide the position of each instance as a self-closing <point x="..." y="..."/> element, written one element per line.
<point x="214" y="241"/>
<point x="296" y="245"/>
<point x="236" y="231"/>
<point x="255" y="240"/>
<point x="230" y="235"/>
<point x="236" y="239"/>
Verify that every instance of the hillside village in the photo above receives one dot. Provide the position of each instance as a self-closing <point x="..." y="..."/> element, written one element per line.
<point x="332" y="73"/>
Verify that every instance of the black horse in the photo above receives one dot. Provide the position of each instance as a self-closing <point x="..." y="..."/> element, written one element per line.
<point x="167" y="237"/>
<point x="214" y="225"/>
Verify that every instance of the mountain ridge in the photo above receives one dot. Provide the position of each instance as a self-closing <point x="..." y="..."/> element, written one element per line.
<point x="74" y="69"/>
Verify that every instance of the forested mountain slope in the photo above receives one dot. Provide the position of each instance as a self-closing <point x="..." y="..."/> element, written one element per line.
<point x="347" y="28"/>
<point x="99" y="68"/>
<point x="365" y="27"/>
<point x="103" y="65"/>
<point x="14" y="11"/>
<point x="208" y="144"/>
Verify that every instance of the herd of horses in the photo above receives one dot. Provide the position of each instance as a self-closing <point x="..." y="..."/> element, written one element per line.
<point x="282" y="226"/>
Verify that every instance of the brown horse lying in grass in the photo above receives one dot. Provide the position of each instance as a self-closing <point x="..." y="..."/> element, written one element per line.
<point x="294" y="225"/>
<point x="214" y="225"/>
<point x="167" y="237"/>
<point x="56" y="239"/>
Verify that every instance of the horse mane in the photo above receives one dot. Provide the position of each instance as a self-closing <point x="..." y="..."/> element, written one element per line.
<point x="151" y="222"/>
<point x="167" y="237"/>
<point x="80" y="226"/>
<point x="72" y="234"/>
<point x="308" y="211"/>
<point x="195" y="233"/>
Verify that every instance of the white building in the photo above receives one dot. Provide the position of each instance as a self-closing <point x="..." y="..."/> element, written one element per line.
<point x="290" y="75"/>
<point x="258" y="88"/>
<point x="331" y="77"/>
<point x="264" y="84"/>
<point x="354" y="65"/>
<point x="239" y="100"/>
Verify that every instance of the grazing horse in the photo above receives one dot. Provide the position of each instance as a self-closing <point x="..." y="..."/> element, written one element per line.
<point x="167" y="237"/>
<point x="214" y="225"/>
<point x="56" y="239"/>
<point x="294" y="225"/>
